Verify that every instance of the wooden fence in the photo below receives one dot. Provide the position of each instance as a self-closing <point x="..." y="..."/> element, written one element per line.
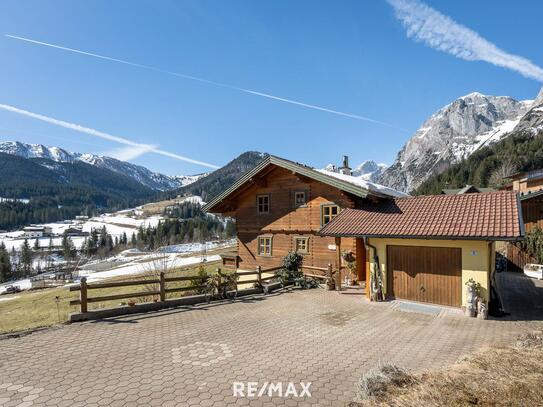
<point x="517" y="258"/>
<point x="163" y="288"/>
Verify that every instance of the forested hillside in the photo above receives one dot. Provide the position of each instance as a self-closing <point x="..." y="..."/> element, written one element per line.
<point x="216" y="182"/>
<point x="487" y="166"/>
<point x="48" y="191"/>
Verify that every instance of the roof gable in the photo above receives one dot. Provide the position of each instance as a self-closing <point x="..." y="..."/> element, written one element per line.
<point x="343" y="182"/>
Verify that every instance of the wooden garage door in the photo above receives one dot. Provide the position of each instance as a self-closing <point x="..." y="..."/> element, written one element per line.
<point x="425" y="274"/>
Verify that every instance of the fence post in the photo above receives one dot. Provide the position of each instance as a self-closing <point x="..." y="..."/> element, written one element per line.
<point x="219" y="282"/>
<point x="162" y="285"/>
<point x="259" y="275"/>
<point x="83" y="294"/>
<point x="338" y="279"/>
<point x="329" y="271"/>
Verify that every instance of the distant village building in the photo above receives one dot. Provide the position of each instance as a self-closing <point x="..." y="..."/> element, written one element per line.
<point x="81" y="217"/>
<point x="75" y="231"/>
<point x="468" y="189"/>
<point x="37" y="231"/>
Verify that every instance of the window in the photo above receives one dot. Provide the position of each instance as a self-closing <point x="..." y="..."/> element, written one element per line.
<point x="328" y="213"/>
<point x="263" y="204"/>
<point x="264" y="246"/>
<point x="299" y="199"/>
<point x="301" y="245"/>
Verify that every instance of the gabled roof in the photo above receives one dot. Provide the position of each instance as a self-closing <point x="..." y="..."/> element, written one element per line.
<point x="484" y="216"/>
<point x="352" y="185"/>
<point x="466" y="190"/>
<point x="529" y="195"/>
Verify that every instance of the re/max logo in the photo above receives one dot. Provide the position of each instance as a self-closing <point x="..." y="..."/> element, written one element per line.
<point x="269" y="389"/>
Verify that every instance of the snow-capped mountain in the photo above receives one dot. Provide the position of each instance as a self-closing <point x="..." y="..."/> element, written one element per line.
<point x="368" y="171"/>
<point x="532" y="122"/>
<point x="139" y="173"/>
<point x="452" y="134"/>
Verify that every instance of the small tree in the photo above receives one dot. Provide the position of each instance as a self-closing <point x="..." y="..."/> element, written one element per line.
<point x="68" y="249"/>
<point x="533" y="244"/>
<point x="6" y="273"/>
<point x="26" y="258"/>
<point x="36" y="245"/>
<point x="291" y="267"/>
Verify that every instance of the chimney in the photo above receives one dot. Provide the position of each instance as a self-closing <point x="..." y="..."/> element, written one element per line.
<point x="345" y="169"/>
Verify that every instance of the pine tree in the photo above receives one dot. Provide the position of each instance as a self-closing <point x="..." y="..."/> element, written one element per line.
<point x="26" y="258"/>
<point x="67" y="247"/>
<point x="5" y="264"/>
<point x="36" y="245"/>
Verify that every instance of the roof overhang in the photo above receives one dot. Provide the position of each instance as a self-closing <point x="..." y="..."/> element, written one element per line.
<point x="424" y="237"/>
<point x="295" y="168"/>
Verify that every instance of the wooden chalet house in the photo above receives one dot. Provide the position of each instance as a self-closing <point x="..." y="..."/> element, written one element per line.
<point x="280" y="206"/>
<point x="423" y="248"/>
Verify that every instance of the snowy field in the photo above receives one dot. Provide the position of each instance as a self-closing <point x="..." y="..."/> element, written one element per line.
<point x="116" y="224"/>
<point x="133" y="262"/>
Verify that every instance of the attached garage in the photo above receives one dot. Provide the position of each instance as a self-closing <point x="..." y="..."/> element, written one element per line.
<point x="425" y="274"/>
<point x="426" y="248"/>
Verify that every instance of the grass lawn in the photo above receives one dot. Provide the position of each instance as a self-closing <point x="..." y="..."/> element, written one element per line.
<point x="40" y="308"/>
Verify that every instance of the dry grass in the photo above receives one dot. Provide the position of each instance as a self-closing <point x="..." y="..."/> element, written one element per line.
<point x="506" y="376"/>
<point x="38" y="308"/>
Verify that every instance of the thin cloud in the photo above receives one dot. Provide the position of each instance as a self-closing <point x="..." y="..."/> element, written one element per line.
<point x="209" y="82"/>
<point x="130" y="152"/>
<point x="429" y="26"/>
<point x="102" y="135"/>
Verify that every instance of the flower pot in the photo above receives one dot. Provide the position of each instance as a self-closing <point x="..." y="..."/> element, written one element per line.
<point x="131" y="303"/>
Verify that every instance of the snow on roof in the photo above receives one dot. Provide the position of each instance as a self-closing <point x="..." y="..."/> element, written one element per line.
<point x="370" y="186"/>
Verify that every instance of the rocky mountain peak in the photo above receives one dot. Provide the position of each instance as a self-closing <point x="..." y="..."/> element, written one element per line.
<point x="450" y="135"/>
<point x="539" y="99"/>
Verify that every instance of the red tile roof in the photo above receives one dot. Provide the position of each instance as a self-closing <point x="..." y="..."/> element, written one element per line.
<point x="485" y="216"/>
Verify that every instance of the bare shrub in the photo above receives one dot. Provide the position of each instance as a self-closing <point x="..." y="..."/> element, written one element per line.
<point x="377" y="382"/>
<point x="533" y="340"/>
<point x="493" y="376"/>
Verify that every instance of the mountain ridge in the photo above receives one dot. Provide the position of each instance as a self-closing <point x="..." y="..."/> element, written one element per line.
<point x="452" y="134"/>
<point x="146" y="177"/>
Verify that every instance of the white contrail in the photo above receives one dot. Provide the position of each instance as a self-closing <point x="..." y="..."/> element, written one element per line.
<point x="130" y="152"/>
<point x="440" y="32"/>
<point x="210" y="82"/>
<point x="100" y="134"/>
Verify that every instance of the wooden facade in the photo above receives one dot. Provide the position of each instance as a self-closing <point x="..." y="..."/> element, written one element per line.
<point x="286" y="220"/>
<point x="532" y="214"/>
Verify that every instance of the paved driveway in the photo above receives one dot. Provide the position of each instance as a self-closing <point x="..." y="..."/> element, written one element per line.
<point x="188" y="357"/>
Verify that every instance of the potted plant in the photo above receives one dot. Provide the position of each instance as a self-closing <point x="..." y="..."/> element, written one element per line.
<point x="473" y="290"/>
<point x="350" y="259"/>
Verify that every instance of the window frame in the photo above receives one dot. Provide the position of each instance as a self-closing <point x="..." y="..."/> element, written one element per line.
<point x="303" y="205"/>
<point x="328" y="205"/>
<point x="295" y="243"/>
<point x="258" y="211"/>
<point x="264" y="254"/>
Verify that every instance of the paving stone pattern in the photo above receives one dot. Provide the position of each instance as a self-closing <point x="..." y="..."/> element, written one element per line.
<point x="192" y="356"/>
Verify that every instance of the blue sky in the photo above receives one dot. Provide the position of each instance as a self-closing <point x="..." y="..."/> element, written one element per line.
<point x="349" y="56"/>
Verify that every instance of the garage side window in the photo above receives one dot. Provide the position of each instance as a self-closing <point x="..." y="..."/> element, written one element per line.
<point x="262" y="204"/>
<point x="328" y="212"/>
<point x="264" y="245"/>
